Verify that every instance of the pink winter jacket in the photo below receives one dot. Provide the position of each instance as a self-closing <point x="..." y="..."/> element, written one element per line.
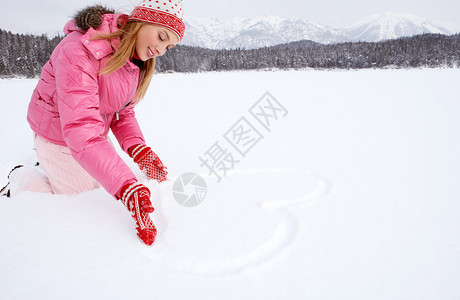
<point x="74" y="106"/>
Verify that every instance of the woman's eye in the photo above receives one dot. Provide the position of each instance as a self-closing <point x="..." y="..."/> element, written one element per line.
<point x="160" y="37"/>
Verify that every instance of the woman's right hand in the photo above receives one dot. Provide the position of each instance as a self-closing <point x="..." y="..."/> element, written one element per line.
<point x="148" y="162"/>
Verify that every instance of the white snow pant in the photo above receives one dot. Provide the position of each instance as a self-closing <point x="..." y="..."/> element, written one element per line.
<point x="61" y="174"/>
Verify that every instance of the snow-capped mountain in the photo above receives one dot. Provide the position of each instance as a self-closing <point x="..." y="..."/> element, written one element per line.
<point x="391" y="25"/>
<point x="250" y="33"/>
<point x="256" y="32"/>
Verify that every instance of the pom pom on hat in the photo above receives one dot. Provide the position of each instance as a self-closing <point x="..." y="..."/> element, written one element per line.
<point x="166" y="13"/>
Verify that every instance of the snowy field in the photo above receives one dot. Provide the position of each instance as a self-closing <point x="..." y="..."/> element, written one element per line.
<point x="351" y="193"/>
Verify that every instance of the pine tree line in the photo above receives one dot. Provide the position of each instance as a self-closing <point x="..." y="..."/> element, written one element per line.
<point x="426" y="50"/>
<point x="24" y="55"/>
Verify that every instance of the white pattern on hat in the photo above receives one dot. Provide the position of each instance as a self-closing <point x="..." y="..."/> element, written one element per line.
<point x="166" y="13"/>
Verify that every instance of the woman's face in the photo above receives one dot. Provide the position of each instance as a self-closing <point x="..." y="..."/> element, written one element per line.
<point x="153" y="40"/>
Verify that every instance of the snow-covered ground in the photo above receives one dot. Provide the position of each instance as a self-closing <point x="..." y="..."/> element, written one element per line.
<point x="353" y="194"/>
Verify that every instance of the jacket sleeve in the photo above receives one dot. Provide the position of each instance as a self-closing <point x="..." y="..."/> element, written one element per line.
<point x="126" y="128"/>
<point x="82" y="124"/>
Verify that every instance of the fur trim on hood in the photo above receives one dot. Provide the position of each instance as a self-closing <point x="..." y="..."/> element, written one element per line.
<point x="91" y="16"/>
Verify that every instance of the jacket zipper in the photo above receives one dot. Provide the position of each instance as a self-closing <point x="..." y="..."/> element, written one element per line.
<point x="130" y="94"/>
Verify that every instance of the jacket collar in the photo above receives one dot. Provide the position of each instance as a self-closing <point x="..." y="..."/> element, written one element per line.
<point x="97" y="47"/>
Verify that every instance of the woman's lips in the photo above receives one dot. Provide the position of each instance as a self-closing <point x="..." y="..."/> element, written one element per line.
<point x="150" y="53"/>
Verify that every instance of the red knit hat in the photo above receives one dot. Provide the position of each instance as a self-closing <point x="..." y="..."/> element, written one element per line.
<point x="166" y="13"/>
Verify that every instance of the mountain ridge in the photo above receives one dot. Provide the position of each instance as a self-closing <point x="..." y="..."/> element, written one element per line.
<point x="269" y="30"/>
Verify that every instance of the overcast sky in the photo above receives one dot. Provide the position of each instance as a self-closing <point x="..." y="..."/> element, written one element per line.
<point x="46" y="16"/>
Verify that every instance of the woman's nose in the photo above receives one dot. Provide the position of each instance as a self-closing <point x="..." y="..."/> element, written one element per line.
<point x="161" y="50"/>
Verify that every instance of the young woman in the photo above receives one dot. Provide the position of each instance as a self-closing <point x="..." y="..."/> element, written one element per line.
<point x="93" y="80"/>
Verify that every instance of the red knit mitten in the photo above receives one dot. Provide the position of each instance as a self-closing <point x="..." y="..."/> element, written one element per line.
<point x="148" y="162"/>
<point x="146" y="231"/>
<point x="136" y="197"/>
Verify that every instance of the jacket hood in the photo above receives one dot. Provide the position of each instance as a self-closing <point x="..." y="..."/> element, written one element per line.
<point x="97" y="17"/>
<point x="99" y="48"/>
<point x="91" y="16"/>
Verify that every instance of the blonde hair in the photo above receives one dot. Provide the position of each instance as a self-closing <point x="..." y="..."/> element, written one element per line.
<point x="127" y="35"/>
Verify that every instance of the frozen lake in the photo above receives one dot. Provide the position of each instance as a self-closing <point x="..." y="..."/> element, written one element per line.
<point x="349" y="192"/>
